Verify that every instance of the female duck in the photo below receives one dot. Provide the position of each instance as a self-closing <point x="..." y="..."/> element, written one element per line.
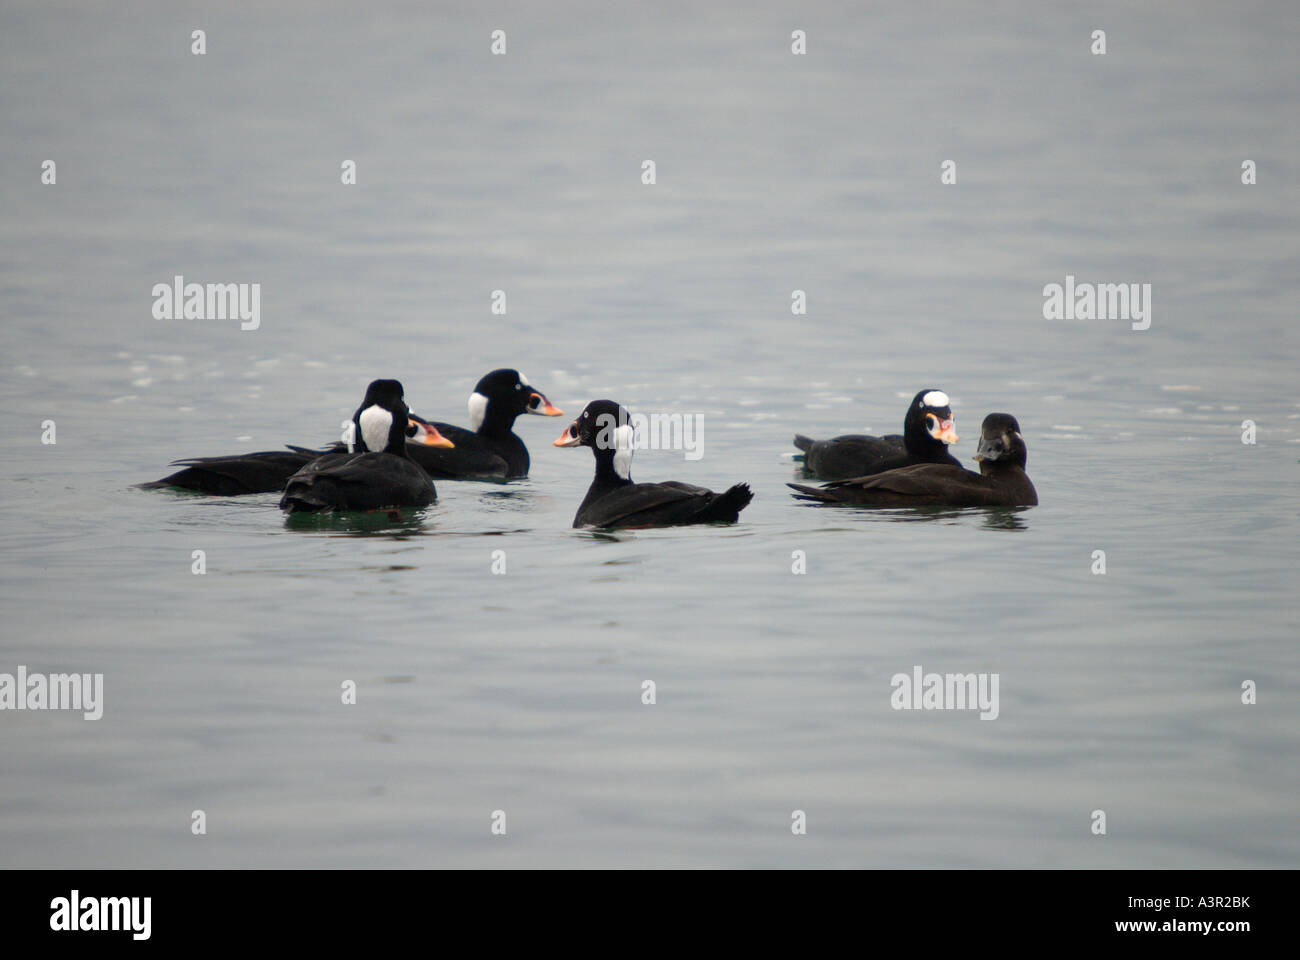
<point x="1001" y="482"/>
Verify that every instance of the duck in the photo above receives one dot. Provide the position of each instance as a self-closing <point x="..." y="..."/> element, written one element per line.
<point x="262" y="472"/>
<point x="1001" y="482"/>
<point x="489" y="449"/>
<point x="928" y="430"/>
<point x="614" y="500"/>
<point x="378" y="474"/>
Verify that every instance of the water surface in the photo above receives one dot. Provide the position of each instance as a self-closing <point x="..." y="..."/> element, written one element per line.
<point x="522" y="692"/>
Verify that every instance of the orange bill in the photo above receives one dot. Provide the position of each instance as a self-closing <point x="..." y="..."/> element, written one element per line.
<point x="567" y="438"/>
<point x="538" y="404"/>
<point x="427" y="434"/>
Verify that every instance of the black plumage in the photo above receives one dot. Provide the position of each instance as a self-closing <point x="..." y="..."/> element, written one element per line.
<point x="366" y="479"/>
<point x="927" y="432"/>
<point x="614" y="500"/>
<point x="489" y="449"/>
<point x="262" y="472"/>
<point x="1001" y="482"/>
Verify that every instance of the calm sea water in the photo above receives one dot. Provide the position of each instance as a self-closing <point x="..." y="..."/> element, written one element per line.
<point x="522" y="692"/>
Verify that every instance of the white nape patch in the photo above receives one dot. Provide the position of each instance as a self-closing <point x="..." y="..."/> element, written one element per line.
<point x="375" y="424"/>
<point x="624" y="445"/>
<point x="523" y="379"/>
<point x="935" y="398"/>
<point x="477" y="410"/>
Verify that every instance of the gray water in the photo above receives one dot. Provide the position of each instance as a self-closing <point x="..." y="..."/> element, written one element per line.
<point x="521" y="692"/>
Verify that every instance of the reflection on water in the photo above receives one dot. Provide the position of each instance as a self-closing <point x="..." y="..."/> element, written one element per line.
<point x="399" y="523"/>
<point x="1005" y="518"/>
<point x="605" y="536"/>
<point x="520" y="498"/>
<point x="993" y="518"/>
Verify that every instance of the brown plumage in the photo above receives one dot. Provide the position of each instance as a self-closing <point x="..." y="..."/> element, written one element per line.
<point x="1001" y="482"/>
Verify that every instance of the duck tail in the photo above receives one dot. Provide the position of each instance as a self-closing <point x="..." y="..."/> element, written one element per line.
<point x="811" y="493"/>
<point x="739" y="496"/>
<point x="728" y="504"/>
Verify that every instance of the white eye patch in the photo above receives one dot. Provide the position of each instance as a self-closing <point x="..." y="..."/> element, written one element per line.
<point x="935" y="398"/>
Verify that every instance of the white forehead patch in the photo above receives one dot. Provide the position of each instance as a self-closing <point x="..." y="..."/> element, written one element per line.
<point x="477" y="410"/>
<point x="376" y="422"/>
<point x="624" y="444"/>
<point x="935" y="398"/>
<point x="523" y="379"/>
